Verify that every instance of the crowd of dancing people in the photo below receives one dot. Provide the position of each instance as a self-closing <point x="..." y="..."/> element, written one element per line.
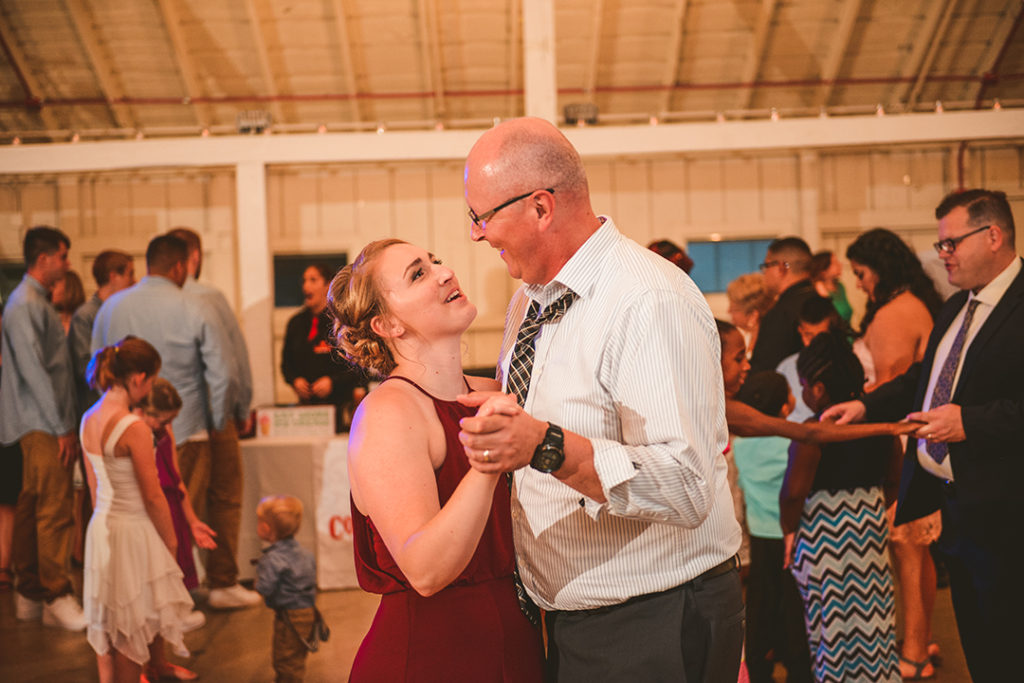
<point x="642" y="493"/>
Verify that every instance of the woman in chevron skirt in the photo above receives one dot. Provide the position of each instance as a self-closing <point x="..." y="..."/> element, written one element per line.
<point x="833" y="516"/>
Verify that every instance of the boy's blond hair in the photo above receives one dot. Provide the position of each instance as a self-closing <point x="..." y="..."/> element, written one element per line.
<point x="282" y="513"/>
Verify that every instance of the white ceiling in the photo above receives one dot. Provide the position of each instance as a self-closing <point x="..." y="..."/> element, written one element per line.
<point x="115" y="69"/>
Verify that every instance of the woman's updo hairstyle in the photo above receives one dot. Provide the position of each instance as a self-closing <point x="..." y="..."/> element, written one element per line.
<point x="353" y="299"/>
<point x="114" y="364"/>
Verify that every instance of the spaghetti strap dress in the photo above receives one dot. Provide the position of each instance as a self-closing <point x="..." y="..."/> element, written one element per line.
<point x="132" y="586"/>
<point x="473" y="630"/>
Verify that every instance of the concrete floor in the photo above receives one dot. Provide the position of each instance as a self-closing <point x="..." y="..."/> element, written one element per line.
<point x="235" y="646"/>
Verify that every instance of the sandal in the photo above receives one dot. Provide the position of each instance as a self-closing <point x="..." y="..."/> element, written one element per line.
<point x="918" y="668"/>
<point x="170" y="672"/>
<point x="6" y="579"/>
<point x="935" y="653"/>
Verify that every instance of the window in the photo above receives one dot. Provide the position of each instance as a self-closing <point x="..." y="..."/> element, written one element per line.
<point x="716" y="264"/>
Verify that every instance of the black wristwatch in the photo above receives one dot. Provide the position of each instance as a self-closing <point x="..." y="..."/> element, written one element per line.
<point x="550" y="454"/>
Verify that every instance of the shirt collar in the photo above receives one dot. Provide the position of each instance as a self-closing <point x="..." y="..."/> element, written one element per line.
<point x="36" y="285"/>
<point x="581" y="271"/>
<point x="991" y="293"/>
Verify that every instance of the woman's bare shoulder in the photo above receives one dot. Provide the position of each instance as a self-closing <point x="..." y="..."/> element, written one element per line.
<point x="905" y="310"/>
<point x="482" y="383"/>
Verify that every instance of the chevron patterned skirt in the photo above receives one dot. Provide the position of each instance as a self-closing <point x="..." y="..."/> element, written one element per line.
<point x="841" y="566"/>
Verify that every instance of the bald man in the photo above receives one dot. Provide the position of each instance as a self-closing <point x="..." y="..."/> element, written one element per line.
<point x="613" y="427"/>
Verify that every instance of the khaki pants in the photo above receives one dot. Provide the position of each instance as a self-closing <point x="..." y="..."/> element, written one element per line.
<point x="212" y="472"/>
<point x="289" y="653"/>
<point x="43" y="520"/>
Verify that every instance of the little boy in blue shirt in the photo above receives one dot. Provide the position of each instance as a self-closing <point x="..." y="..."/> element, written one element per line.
<point x="286" y="578"/>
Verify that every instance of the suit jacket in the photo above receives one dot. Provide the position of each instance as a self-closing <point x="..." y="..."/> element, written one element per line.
<point x="988" y="465"/>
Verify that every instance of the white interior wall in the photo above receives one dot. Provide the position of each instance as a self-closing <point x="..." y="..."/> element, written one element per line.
<point x="825" y="196"/>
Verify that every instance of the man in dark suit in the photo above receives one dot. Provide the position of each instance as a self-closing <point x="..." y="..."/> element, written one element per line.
<point x="968" y="457"/>
<point x="787" y="275"/>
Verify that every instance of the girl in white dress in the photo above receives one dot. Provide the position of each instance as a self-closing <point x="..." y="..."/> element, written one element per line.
<point x="133" y="590"/>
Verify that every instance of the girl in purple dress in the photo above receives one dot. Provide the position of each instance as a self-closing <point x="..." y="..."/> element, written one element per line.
<point x="158" y="410"/>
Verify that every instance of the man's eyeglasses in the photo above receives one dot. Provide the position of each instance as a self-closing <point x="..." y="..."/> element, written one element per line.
<point x="948" y="246"/>
<point x="480" y="219"/>
<point x="769" y="264"/>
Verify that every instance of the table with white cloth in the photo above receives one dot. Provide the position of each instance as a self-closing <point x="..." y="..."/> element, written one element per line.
<point x="314" y="470"/>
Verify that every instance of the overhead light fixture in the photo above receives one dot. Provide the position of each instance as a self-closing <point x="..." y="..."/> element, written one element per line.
<point x="720" y="117"/>
<point x="252" y="121"/>
<point x="439" y="125"/>
<point x="321" y="129"/>
<point x="75" y="137"/>
<point x="380" y="129"/>
<point x="879" y="110"/>
<point x="580" y="114"/>
<point x="653" y="120"/>
<point x="139" y="135"/>
<point x="775" y="114"/>
<point x="822" y="113"/>
<point x="205" y="133"/>
<point x="938" y="107"/>
<point x="996" y="106"/>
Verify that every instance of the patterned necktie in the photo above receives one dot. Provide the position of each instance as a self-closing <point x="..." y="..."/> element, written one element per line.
<point x="944" y="384"/>
<point x="521" y="365"/>
<point x="519" y="370"/>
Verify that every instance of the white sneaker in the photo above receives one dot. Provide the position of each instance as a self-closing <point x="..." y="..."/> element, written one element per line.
<point x="233" y="597"/>
<point x="27" y="609"/>
<point x="64" y="612"/>
<point x="194" y="620"/>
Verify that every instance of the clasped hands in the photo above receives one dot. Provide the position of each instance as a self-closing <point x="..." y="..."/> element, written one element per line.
<point x="941" y="424"/>
<point x="501" y="437"/>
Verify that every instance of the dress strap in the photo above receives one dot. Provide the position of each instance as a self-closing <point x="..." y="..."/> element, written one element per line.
<point x="424" y="391"/>
<point x="124" y="423"/>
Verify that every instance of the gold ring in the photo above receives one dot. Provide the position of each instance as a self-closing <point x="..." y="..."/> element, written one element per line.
<point x="487" y="455"/>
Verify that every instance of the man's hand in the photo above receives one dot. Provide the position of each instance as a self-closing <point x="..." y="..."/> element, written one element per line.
<point x="940" y="424"/>
<point x="501" y="437"/>
<point x="68" y="445"/>
<point x="301" y="387"/>
<point x="203" y="535"/>
<point x="322" y="387"/>
<point x="845" y="413"/>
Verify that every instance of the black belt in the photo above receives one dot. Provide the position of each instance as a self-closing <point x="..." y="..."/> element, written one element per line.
<point x="716" y="571"/>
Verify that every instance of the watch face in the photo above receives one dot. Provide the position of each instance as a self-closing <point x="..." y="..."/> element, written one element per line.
<point x="547" y="459"/>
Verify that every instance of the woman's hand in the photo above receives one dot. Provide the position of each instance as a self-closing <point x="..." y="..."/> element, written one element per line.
<point x="203" y="535"/>
<point x="301" y="387"/>
<point x="788" y="543"/>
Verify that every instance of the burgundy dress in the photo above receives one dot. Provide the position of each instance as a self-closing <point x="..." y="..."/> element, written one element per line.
<point x="472" y="630"/>
<point x="169" y="480"/>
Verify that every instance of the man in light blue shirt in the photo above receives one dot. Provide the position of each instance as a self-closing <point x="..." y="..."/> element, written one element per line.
<point x="37" y="410"/>
<point x="217" y="484"/>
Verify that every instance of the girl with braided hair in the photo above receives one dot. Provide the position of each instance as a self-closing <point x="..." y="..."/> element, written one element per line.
<point x="832" y="512"/>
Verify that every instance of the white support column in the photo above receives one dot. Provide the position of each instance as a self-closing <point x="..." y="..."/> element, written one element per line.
<point x="255" y="277"/>
<point x="540" y="88"/>
<point x="810" y="185"/>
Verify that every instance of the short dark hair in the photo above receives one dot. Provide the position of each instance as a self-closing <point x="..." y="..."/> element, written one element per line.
<point x="766" y="391"/>
<point x="164" y="252"/>
<point x="42" y="239"/>
<point x="107" y="262"/>
<point x="793" y="251"/>
<point x="818" y="309"/>
<point x="983" y="206"/>
<point x="189" y="236"/>
<point x="673" y="252"/>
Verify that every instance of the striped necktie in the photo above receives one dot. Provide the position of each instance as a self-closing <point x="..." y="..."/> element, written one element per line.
<point x="519" y="370"/>
<point x="521" y="366"/>
<point x="943" y="390"/>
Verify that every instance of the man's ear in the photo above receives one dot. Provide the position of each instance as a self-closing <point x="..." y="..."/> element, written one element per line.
<point x="386" y="326"/>
<point x="543" y="205"/>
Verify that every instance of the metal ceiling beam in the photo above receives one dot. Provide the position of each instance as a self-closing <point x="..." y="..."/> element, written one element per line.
<point x="260" y="39"/>
<point x="594" y="56"/>
<point x="933" y="50"/>
<point x="81" y="19"/>
<point x="998" y="42"/>
<point x="430" y="58"/>
<point x="187" y="69"/>
<point x="923" y="40"/>
<point x="840" y="42"/>
<point x="33" y="92"/>
<point x="348" y="71"/>
<point x="596" y="141"/>
<point x="752" y="66"/>
<point x="675" y="53"/>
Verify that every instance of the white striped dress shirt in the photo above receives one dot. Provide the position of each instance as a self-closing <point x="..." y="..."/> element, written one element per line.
<point x="634" y="365"/>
